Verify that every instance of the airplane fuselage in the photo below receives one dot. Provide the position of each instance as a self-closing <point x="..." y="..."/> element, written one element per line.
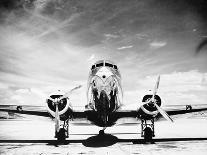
<point x="104" y="93"/>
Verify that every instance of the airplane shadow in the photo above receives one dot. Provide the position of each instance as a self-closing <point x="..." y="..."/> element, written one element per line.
<point x="93" y="141"/>
<point x="101" y="141"/>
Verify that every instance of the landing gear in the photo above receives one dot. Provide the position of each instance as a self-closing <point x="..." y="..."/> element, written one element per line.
<point x="148" y="134"/>
<point x="101" y="133"/>
<point x="147" y="129"/>
<point x="60" y="135"/>
<point x="63" y="132"/>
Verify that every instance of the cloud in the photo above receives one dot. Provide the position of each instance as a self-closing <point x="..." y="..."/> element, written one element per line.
<point x="111" y="36"/>
<point x="176" y="87"/>
<point x="17" y="99"/>
<point x="157" y="44"/>
<point x="91" y="58"/>
<point x="204" y="79"/>
<point x="58" y="26"/>
<point x="23" y="91"/>
<point x="38" y="95"/>
<point x="124" y="47"/>
<point x="45" y="45"/>
<point x="142" y="36"/>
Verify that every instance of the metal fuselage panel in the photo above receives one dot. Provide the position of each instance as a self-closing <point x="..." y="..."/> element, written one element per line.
<point x="104" y="93"/>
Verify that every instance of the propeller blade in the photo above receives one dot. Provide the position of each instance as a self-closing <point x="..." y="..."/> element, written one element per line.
<point x="68" y="93"/>
<point x="51" y="99"/>
<point x="155" y="88"/>
<point x="143" y="103"/>
<point x="57" y="119"/>
<point x="163" y="113"/>
<point x="154" y="92"/>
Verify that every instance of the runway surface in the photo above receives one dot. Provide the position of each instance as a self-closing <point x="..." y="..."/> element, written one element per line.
<point x="35" y="135"/>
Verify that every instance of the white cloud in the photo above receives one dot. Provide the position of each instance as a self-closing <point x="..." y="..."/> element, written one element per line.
<point x="124" y="47"/>
<point x="3" y="86"/>
<point x="23" y="91"/>
<point x="204" y="79"/>
<point x="192" y="77"/>
<point x="177" y="87"/>
<point x="142" y="36"/>
<point x="17" y="99"/>
<point x="111" y="36"/>
<point x="91" y="58"/>
<point x="157" y="44"/>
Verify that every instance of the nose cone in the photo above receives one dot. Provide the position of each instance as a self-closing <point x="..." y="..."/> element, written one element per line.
<point x="104" y="73"/>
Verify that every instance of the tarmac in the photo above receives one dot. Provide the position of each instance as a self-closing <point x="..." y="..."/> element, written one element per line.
<point x="35" y="135"/>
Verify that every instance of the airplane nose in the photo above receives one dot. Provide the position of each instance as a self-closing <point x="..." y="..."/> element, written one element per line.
<point x="104" y="73"/>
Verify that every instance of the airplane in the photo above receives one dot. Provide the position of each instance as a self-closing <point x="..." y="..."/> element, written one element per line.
<point x="104" y="104"/>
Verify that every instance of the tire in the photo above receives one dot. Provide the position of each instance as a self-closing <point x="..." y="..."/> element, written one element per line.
<point x="148" y="134"/>
<point x="61" y="135"/>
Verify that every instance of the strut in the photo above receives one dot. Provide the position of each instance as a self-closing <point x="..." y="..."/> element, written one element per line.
<point x="147" y="129"/>
<point x="63" y="132"/>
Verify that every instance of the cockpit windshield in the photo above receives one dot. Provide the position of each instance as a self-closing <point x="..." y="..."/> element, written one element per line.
<point x="101" y="64"/>
<point x="108" y="64"/>
<point x="93" y="67"/>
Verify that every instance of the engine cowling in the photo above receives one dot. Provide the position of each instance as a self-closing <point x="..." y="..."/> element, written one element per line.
<point x="149" y="110"/>
<point x="64" y="107"/>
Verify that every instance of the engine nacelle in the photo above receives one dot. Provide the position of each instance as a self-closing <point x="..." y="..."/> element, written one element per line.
<point x="149" y="110"/>
<point x="64" y="107"/>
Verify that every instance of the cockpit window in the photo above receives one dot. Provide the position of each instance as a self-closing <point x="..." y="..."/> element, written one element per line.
<point x="93" y="67"/>
<point x="99" y="65"/>
<point x="108" y="65"/>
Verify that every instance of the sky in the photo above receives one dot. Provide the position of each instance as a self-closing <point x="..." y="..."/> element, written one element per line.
<point x="47" y="45"/>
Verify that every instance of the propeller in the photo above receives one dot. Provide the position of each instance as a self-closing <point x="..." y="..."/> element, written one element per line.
<point x="56" y="103"/>
<point x="152" y="100"/>
<point x="51" y="99"/>
<point x="163" y="113"/>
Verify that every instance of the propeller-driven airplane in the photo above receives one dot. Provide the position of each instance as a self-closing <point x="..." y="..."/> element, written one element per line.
<point x="104" y="106"/>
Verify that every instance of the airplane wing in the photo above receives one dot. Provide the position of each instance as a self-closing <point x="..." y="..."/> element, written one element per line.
<point x="185" y="110"/>
<point x="171" y="110"/>
<point x="80" y="114"/>
<point x="25" y="109"/>
<point x="37" y="111"/>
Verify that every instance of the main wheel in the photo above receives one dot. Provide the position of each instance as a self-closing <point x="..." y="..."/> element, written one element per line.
<point x="148" y="134"/>
<point x="61" y="135"/>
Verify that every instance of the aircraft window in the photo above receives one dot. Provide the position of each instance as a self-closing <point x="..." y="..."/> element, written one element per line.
<point x="99" y="65"/>
<point x="93" y="67"/>
<point x="108" y="64"/>
<point x="115" y="67"/>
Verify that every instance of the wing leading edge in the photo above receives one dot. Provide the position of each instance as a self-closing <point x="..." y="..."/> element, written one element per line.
<point x="29" y="110"/>
<point x="38" y="111"/>
<point x="84" y="114"/>
<point x="171" y="112"/>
